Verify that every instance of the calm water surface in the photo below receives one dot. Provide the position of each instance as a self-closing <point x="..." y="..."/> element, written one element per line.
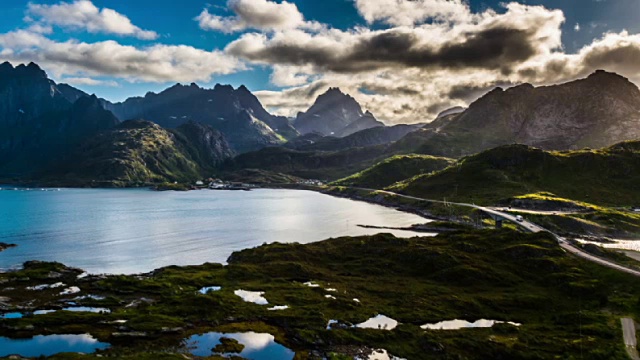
<point x="138" y="230"/>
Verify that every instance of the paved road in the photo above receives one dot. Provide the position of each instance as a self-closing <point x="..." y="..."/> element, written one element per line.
<point x="629" y="331"/>
<point x="528" y="226"/>
<point x="629" y="335"/>
<point x="537" y="212"/>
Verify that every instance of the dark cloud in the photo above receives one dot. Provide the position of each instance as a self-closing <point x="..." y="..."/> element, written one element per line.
<point x="495" y="48"/>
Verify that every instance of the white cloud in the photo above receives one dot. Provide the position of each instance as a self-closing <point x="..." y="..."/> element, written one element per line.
<point x="410" y="12"/>
<point x="492" y="41"/>
<point x="156" y="63"/>
<point x="283" y="75"/>
<point x="253" y="14"/>
<point x="88" y="81"/>
<point x="84" y="15"/>
<point x="428" y="60"/>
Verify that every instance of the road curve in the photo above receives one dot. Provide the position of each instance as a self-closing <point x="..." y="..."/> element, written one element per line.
<point x="526" y="225"/>
<point x="629" y="336"/>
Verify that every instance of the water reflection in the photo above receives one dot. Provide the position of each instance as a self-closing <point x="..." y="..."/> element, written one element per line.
<point x="134" y="230"/>
<point x="47" y="345"/>
<point x="463" y="324"/>
<point x="381" y="322"/>
<point x="257" y="346"/>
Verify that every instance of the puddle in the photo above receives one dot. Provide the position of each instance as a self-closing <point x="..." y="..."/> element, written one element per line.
<point x="463" y="324"/>
<point x="311" y="284"/>
<point x="47" y="345"/>
<point x="617" y="244"/>
<point x="45" y="286"/>
<point x="12" y="315"/>
<point x="278" y="308"/>
<point x="91" y="297"/>
<point x="379" y="354"/>
<point x="252" y="296"/>
<point x="379" y="322"/>
<point x="71" y="290"/>
<point x="256" y="346"/>
<point x="74" y="309"/>
<point x="43" y="312"/>
<point x="330" y="297"/>
<point x="331" y="323"/>
<point x="88" y="309"/>
<point x="207" y="289"/>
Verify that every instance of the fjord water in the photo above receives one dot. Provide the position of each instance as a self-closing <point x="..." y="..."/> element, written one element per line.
<point x="127" y="231"/>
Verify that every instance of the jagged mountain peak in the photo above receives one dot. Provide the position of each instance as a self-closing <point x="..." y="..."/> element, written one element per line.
<point x="332" y="112"/>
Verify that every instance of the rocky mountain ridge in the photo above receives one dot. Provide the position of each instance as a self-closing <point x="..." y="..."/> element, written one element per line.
<point x="335" y="113"/>
<point x="594" y="112"/>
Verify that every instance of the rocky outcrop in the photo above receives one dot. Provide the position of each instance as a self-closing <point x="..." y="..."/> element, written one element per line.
<point x="205" y="145"/>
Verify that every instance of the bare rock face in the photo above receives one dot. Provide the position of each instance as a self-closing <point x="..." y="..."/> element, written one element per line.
<point x="38" y="123"/>
<point x="207" y="146"/>
<point x="335" y="114"/>
<point x="237" y="113"/>
<point x="598" y="111"/>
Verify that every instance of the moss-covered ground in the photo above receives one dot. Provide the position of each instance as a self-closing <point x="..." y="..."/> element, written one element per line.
<point x="568" y="308"/>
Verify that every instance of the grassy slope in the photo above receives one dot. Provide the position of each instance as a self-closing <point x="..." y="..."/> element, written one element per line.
<point x="607" y="176"/>
<point x="394" y="169"/>
<point x="469" y="275"/>
<point x="329" y="165"/>
<point x="132" y="154"/>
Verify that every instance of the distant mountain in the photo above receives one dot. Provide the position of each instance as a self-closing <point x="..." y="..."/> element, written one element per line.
<point x="70" y="93"/>
<point x="38" y="123"/>
<point x="327" y="157"/>
<point x="237" y="113"/>
<point x="598" y="111"/>
<point x="512" y="170"/>
<point x="379" y="135"/>
<point x="324" y="165"/>
<point x="366" y="121"/>
<point x="141" y="152"/>
<point x="335" y="113"/>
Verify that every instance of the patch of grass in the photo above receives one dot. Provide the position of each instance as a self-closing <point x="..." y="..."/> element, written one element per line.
<point x="605" y="177"/>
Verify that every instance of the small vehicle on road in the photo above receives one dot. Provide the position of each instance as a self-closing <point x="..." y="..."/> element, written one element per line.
<point x="519" y="218"/>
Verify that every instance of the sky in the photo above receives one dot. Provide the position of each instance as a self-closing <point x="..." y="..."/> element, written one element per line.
<point x="404" y="60"/>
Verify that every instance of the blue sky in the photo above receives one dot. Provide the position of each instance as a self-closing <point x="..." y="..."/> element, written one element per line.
<point x="263" y="45"/>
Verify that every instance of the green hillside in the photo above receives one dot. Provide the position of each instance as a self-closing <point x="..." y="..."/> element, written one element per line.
<point x="324" y="165"/>
<point x="608" y="176"/>
<point x="141" y="152"/>
<point x="394" y="169"/>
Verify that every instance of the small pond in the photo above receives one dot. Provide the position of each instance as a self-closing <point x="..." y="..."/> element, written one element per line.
<point x="463" y="324"/>
<point x="257" y="346"/>
<point x="47" y="345"/>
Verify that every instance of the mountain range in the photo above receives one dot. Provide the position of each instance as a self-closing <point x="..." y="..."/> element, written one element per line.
<point x="594" y="112"/>
<point x="50" y="130"/>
